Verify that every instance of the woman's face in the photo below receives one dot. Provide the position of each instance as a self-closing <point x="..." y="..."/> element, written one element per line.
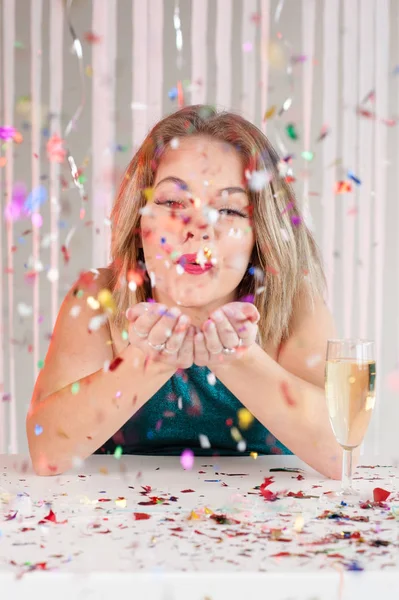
<point x="199" y="206"/>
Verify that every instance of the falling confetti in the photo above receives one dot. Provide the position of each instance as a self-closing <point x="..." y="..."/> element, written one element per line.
<point x="187" y="459"/>
<point x="291" y="131"/>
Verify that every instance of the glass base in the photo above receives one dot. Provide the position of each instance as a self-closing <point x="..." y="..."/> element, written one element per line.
<point x="349" y="496"/>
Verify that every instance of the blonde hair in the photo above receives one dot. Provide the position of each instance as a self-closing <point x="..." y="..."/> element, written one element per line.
<point x="285" y="252"/>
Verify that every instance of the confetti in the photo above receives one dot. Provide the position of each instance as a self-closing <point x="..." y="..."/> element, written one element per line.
<point x="342" y="187"/>
<point x="75" y="387"/>
<point x="55" y="149"/>
<point x="291" y="131"/>
<point x="187" y="459"/>
<point x="245" y="418"/>
<point x="353" y="177"/>
<point x="380" y="495"/>
<point x="38" y="429"/>
<point x="118" y="452"/>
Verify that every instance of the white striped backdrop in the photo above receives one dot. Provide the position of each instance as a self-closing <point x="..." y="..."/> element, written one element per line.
<point x="234" y="54"/>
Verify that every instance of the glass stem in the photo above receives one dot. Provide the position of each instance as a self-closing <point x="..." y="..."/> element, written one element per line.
<point x="346" y="469"/>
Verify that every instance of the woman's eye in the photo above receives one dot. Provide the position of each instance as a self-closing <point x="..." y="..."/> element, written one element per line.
<point x="230" y="212"/>
<point x="170" y="203"/>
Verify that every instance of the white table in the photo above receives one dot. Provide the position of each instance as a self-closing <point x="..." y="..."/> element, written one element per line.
<point x="99" y="548"/>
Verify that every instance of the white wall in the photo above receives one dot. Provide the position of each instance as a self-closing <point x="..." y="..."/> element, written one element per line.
<point x="349" y="48"/>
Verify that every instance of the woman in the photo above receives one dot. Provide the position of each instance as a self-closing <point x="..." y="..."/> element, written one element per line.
<point x="208" y="330"/>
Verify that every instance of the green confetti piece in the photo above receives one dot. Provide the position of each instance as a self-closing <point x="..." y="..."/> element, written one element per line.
<point x="118" y="452"/>
<point x="40" y="364"/>
<point x="174" y="255"/>
<point x="307" y="155"/>
<point x="125" y="335"/>
<point x="79" y="293"/>
<point x="82" y="179"/>
<point x="291" y="131"/>
<point x="19" y="46"/>
<point x="75" y="387"/>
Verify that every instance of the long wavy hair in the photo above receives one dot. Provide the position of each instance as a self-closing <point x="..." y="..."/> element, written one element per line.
<point x="285" y="254"/>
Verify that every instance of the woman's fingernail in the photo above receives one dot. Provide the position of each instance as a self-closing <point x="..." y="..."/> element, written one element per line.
<point x="183" y="320"/>
<point x="128" y="313"/>
<point x="217" y="316"/>
<point x="209" y="325"/>
<point x="175" y="312"/>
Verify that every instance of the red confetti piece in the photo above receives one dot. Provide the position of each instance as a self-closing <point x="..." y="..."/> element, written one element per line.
<point x="52" y="518"/>
<point x="380" y="495"/>
<point x="115" y="363"/>
<point x="342" y="187"/>
<point x="187" y="491"/>
<point x="141" y="516"/>
<point x="267" y="494"/>
<point x="91" y="38"/>
<point x="55" y="151"/>
<point x="66" y="254"/>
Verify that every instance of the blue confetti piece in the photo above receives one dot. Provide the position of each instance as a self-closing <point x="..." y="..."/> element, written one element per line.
<point x="36" y="198"/>
<point x="172" y="93"/>
<point x="354" y="566"/>
<point x="38" y="429"/>
<point x="354" y="178"/>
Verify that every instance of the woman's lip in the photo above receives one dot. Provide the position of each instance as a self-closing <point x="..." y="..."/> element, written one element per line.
<point x="191" y="259"/>
<point x="196" y="269"/>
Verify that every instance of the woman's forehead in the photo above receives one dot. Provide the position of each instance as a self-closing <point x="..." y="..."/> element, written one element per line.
<point x="200" y="161"/>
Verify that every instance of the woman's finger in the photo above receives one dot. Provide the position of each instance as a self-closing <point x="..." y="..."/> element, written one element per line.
<point x="147" y="319"/>
<point x="185" y="356"/>
<point x="179" y="332"/>
<point x="226" y="332"/>
<point x="212" y="340"/>
<point x="201" y="354"/>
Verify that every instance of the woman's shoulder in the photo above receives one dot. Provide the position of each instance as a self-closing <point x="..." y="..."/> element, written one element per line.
<point x="94" y="280"/>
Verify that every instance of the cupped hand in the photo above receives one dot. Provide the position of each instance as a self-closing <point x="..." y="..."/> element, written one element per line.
<point x="152" y="324"/>
<point x="233" y="325"/>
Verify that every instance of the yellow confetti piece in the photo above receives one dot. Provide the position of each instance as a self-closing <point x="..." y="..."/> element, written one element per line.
<point x="86" y="500"/>
<point x="121" y="502"/>
<point x="93" y="303"/>
<point x="235" y="434"/>
<point x="106" y="299"/>
<point x="208" y="511"/>
<point x="254" y="455"/>
<point x="104" y="471"/>
<point x="149" y="194"/>
<point x="299" y="523"/>
<point x="245" y="418"/>
<point x="269" y="113"/>
<point x="193" y="516"/>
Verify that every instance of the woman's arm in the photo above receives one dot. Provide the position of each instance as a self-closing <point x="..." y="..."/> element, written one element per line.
<point x="78" y="403"/>
<point x="287" y="396"/>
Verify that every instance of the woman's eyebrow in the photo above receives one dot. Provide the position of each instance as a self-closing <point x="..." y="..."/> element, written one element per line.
<point x="179" y="182"/>
<point x="184" y="186"/>
<point x="232" y="190"/>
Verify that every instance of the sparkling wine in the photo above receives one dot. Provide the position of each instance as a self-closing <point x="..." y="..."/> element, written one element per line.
<point x="350" y="392"/>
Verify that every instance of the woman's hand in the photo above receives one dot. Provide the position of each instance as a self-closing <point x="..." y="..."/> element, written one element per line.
<point x="224" y="329"/>
<point x="152" y="324"/>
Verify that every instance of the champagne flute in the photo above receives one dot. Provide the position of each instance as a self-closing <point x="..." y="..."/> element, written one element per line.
<point x="350" y="392"/>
